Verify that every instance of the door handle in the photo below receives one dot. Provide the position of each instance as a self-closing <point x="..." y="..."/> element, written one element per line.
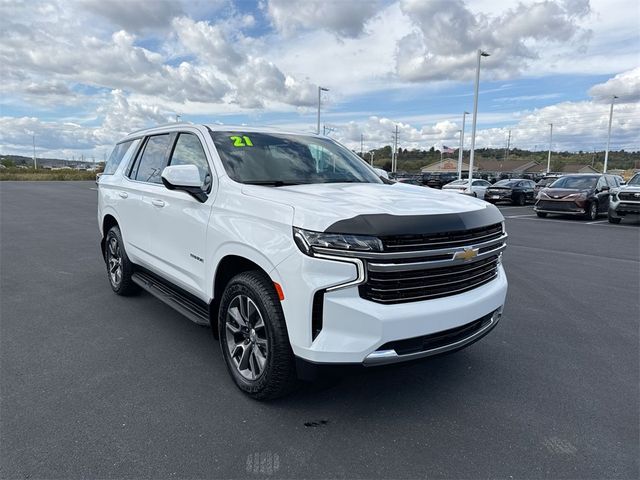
<point x="157" y="203"/>
<point x="123" y="194"/>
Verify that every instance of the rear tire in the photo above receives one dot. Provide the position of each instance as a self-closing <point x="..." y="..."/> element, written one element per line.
<point x="541" y="214"/>
<point x="119" y="267"/>
<point x="520" y="200"/>
<point x="254" y="339"/>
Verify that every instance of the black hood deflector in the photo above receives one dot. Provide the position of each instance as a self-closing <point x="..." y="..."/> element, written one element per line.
<point x="385" y="225"/>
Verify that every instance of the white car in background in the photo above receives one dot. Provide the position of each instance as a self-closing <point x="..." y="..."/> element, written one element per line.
<point x="478" y="187"/>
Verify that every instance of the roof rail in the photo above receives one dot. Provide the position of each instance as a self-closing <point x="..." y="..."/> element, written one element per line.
<point x="168" y="124"/>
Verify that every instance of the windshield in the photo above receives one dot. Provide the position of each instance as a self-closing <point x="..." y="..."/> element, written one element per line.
<point x="635" y="180"/>
<point x="576" y="183"/>
<point x="506" y="183"/>
<point x="277" y="159"/>
<point x="546" y="181"/>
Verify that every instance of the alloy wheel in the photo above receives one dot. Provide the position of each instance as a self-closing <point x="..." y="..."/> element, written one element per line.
<point x="114" y="261"/>
<point x="246" y="337"/>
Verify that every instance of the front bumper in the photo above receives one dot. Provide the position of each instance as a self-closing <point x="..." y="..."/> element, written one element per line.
<point x="565" y="207"/>
<point x="622" y="208"/>
<point x="354" y="329"/>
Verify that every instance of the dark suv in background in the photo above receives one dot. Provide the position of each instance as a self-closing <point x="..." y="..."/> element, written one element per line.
<point x="518" y="191"/>
<point x="438" y="180"/>
<point x="581" y="194"/>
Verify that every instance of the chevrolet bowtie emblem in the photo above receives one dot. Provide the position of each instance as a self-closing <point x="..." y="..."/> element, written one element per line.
<point x="467" y="254"/>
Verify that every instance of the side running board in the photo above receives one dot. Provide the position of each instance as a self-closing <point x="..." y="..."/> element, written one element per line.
<point x="195" y="310"/>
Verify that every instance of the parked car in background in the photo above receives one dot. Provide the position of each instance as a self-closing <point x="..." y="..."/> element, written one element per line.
<point x="625" y="202"/>
<point x="545" y="182"/>
<point x="518" y="191"/>
<point x="478" y="187"/>
<point x="579" y="194"/>
<point x="438" y="180"/>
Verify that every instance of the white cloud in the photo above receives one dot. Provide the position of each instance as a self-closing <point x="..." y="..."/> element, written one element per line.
<point x="135" y="16"/>
<point x="626" y="86"/>
<point x="345" y="18"/>
<point x="448" y="34"/>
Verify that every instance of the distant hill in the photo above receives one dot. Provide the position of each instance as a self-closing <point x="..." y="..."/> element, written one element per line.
<point x="17" y="160"/>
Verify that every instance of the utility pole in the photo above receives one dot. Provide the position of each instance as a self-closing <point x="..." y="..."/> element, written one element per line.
<point x="394" y="154"/>
<point x="371" y="154"/>
<point x="178" y="118"/>
<point x="461" y="150"/>
<point x="362" y="145"/>
<point x="475" y="115"/>
<point x="506" y="152"/>
<point x="550" y="141"/>
<point x="320" y="90"/>
<point x="35" y="163"/>
<point x="606" y="153"/>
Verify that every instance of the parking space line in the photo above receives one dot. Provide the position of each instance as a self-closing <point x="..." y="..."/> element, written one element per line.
<point x="520" y="216"/>
<point x="596" y="221"/>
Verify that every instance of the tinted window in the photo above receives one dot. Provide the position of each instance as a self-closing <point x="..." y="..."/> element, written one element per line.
<point x="189" y="151"/>
<point x="612" y="181"/>
<point x="601" y="183"/>
<point x="635" y="180"/>
<point x="276" y="159"/>
<point x="152" y="162"/>
<point x="506" y="183"/>
<point x="116" y="157"/>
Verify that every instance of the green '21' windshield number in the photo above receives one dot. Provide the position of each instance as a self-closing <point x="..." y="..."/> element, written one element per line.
<point x="243" y="141"/>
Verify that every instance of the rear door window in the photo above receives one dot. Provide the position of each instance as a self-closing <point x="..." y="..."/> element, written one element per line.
<point x="152" y="160"/>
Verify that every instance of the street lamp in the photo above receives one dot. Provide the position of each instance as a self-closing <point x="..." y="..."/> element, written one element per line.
<point x="550" y="142"/>
<point x="320" y="90"/>
<point x="481" y="54"/>
<point x="464" y="115"/>
<point x="606" y="153"/>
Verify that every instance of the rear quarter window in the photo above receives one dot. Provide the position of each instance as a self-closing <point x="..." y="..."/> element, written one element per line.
<point x="117" y="155"/>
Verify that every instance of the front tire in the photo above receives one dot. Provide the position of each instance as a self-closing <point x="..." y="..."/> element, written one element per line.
<point x="254" y="339"/>
<point x="520" y="200"/>
<point x="119" y="267"/>
<point x="592" y="211"/>
<point x="542" y="214"/>
<point x="614" y="219"/>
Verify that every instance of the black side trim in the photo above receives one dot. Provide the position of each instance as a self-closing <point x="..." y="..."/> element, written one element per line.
<point x="316" y="313"/>
<point x="183" y="302"/>
<point x="382" y="225"/>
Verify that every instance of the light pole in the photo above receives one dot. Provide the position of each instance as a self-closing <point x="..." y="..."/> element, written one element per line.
<point x="464" y="116"/>
<point x="481" y="54"/>
<point x="371" y="154"/>
<point x="320" y="90"/>
<point x="606" y="153"/>
<point x="35" y="163"/>
<point x="550" y="141"/>
<point x="361" y="144"/>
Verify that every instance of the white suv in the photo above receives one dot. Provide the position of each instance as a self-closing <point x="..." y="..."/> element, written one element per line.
<point x="295" y="251"/>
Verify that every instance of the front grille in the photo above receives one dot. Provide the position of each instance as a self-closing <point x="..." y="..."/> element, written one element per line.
<point x="403" y="243"/>
<point x="422" y="267"/>
<point x="624" y="208"/>
<point x="415" y="285"/>
<point x="630" y="196"/>
<point x="557" y="206"/>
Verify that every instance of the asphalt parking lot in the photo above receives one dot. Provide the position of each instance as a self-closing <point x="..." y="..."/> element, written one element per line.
<point x="98" y="386"/>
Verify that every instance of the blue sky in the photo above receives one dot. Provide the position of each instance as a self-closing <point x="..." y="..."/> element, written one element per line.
<point x="80" y="74"/>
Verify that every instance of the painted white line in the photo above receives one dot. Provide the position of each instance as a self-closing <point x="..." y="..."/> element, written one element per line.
<point x="91" y="188"/>
<point x="596" y="221"/>
<point x="520" y="216"/>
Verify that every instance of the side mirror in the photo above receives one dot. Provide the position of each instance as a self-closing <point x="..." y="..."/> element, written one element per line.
<point x="381" y="173"/>
<point x="185" y="178"/>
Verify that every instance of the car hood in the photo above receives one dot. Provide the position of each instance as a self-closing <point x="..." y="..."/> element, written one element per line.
<point x="318" y="206"/>
<point x="629" y="188"/>
<point x="563" y="192"/>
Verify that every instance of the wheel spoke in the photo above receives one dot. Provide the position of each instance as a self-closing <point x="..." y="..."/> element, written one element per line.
<point x="236" y="315"/>
<point x="233" y="329"/>
<point x="261" y="360"/>
<point x="243" y="363"/>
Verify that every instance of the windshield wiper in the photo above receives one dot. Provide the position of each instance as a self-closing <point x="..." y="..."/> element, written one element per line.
<point x="272" y="183"/>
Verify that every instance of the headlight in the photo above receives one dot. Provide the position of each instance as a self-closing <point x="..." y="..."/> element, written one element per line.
<point x="576" y="196"/>
<point x="307" y="240"/>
